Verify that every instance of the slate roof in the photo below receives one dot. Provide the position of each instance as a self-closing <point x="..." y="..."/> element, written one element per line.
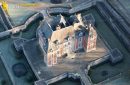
<point x="48" y="26"/>
<point x="88" y="19"/>
<point x="72" y="19"/>
<point x="46" y="29"/>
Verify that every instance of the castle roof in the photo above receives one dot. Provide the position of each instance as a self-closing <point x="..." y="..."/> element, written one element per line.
<point x="49" y="30"/>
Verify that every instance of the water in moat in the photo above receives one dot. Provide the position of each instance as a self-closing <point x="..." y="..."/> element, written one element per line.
<point x="11" y="57"/>
<point x="102" y="72"/>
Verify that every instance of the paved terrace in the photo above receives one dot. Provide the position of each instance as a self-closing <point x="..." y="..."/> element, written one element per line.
<point x="35" y="59"/>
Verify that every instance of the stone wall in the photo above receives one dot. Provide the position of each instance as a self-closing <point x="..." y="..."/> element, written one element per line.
<point x="21" y="27"/>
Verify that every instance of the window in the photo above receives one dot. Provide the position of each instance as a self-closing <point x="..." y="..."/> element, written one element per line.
<point x="80" y="39"/>
<point x="57" y="52"/>
<point x="93" y="46"/>
<point x="68" y="43"/>
<point x="64" y="44"/>
<point x="80" y="45"/>
<point x="91" y="35"/>
<point x="51" y="50"/>
<point x="49" y="60"/>
<point x="88" y="46"/>
<point x="80" y="42"/>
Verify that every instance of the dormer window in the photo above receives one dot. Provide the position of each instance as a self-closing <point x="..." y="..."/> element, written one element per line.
<point x="51" y="50"/>
<point x="91" y="35"/>
<point x="55" y="42"/>
<point x="72" y="37"/>
<point x="68" y="43"/>
<point x="90" y="25"/>
<point x="86" y="26"/>
<point x="67" y="38"/>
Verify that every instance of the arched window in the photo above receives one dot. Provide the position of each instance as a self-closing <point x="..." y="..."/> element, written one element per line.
<point x="91" y="35"/>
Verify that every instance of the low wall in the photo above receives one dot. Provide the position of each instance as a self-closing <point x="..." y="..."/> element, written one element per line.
<point x="21" y="27"/>
<point x="57" y="78"/>
<point x="81" y="74"/>
<point x="98" y="61"/>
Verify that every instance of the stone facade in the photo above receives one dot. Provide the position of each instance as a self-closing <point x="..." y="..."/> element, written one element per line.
<point x="70" y="36"/>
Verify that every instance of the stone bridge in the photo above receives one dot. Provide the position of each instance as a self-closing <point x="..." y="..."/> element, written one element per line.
<point x="17" y="29"/>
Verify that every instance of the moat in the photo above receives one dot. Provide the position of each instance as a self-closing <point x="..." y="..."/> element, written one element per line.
<point x="103" y="72"/>
<point x="103" y="29"/>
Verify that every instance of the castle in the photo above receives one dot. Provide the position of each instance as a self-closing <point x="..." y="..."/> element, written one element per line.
<point x="66" y="36"/>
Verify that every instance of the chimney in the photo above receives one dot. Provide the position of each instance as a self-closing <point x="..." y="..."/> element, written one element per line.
<point x="90" y="25"/>
<point x="58" y="27"/>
